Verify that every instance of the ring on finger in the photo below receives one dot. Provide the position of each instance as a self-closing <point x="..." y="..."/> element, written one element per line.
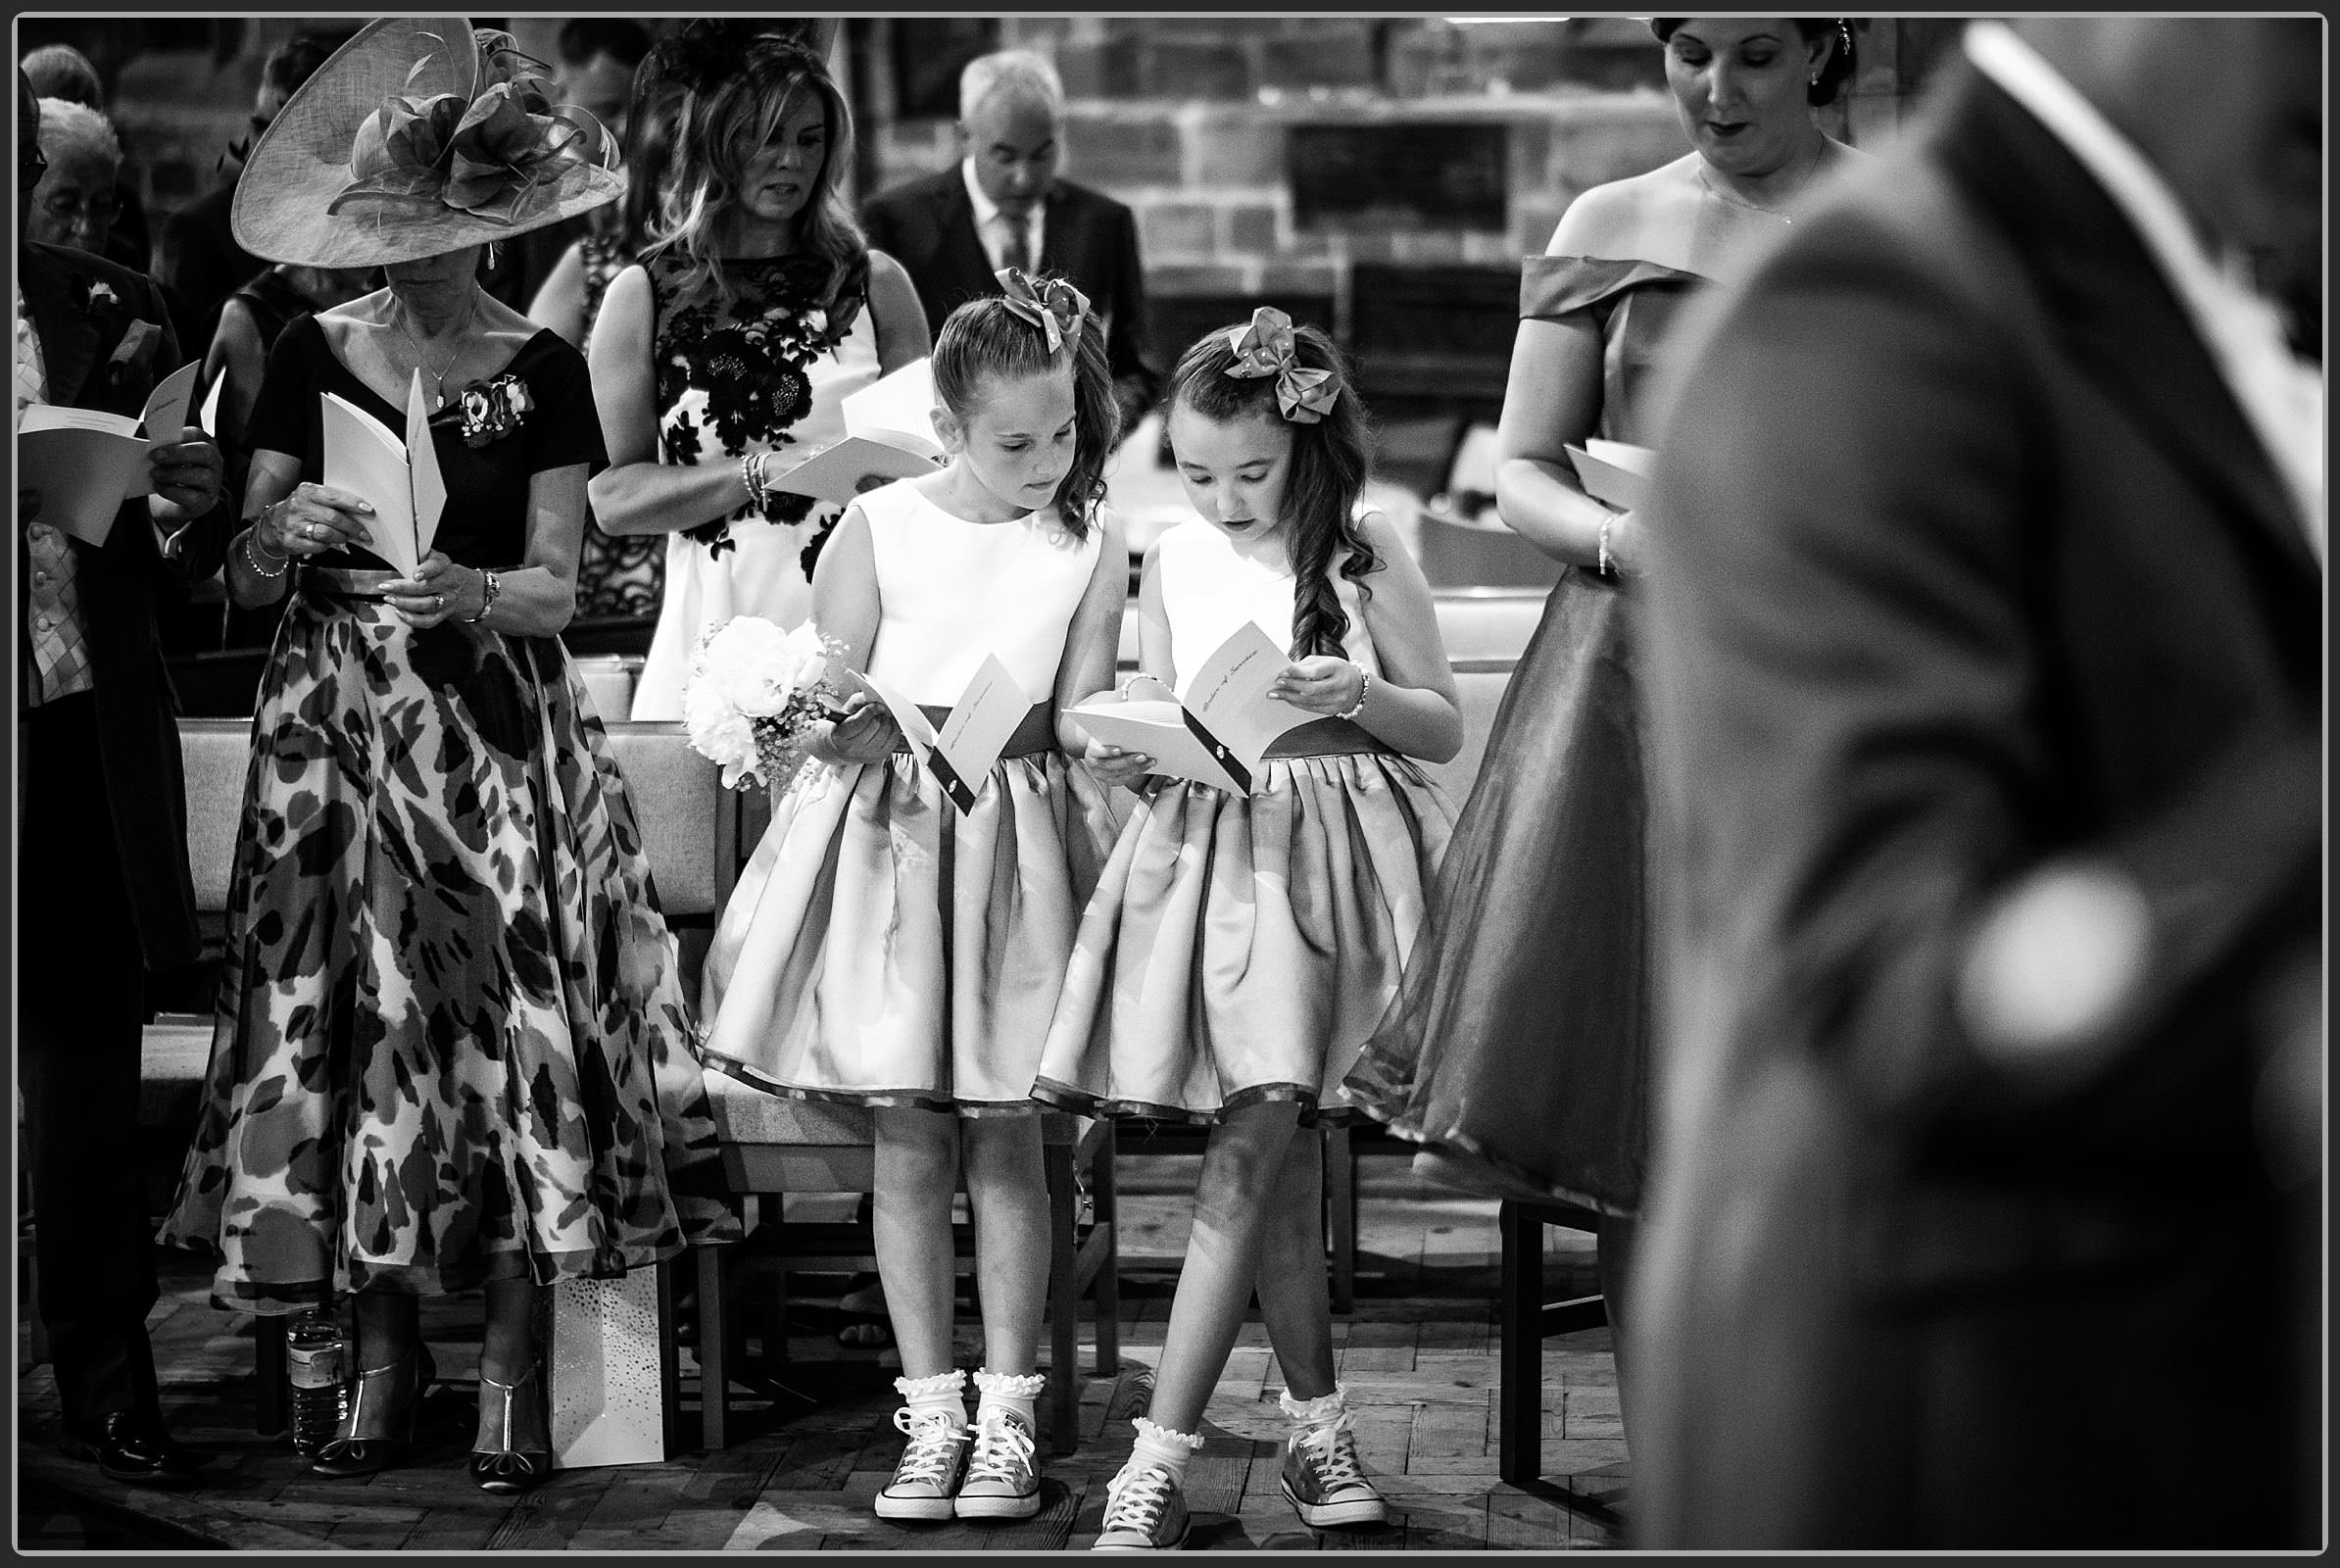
<point x="438" y="602"/>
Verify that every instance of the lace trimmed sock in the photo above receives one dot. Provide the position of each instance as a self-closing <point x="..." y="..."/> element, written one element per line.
<point x="1157" y="1445"/>
<point x="942" y="1391"/>
<point x="1007" y="1390"/>
<point x="1321" y="1411"/>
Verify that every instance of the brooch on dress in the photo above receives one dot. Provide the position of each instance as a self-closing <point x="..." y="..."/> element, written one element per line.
<point x="493" y="410"/>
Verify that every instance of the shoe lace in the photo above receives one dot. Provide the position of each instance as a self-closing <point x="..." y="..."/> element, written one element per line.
<point x="1004" y="1451"/>
<point x="933" y="1442"/>
<point x="1333" y="1449"/>
<point x="1138" y="1502"/>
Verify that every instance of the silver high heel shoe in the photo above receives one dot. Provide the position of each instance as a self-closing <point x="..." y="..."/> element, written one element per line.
<point x="500" y="1462"/>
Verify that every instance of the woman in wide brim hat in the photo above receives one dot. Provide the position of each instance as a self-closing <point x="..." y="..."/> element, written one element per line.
<point x="453" y="1048"/>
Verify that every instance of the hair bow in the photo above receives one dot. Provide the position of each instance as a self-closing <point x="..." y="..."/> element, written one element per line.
<point x="1268" y="347"/>
<point x="480" y="156"/>
<point x="1053" y="305"/>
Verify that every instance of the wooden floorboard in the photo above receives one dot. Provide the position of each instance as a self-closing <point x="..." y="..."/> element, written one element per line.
<point x="1417" y="1355"/>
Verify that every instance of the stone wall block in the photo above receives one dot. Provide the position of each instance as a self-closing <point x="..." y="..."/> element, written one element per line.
<point x="1229" y="147"/>
<point x="1116" y="150"/>
<point x="1198" y="70"/>
<point x="1177" y="230"/>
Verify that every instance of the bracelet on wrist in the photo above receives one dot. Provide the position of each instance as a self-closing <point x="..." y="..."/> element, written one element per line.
<point x="490" y="587"/>
<point x="1364" y="688"/>
<point x="751" y="474"/>
<point x="253" y="553"/>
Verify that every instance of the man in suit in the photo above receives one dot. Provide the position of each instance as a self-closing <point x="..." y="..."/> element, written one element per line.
<point x="1987" y="670"/>
<point x="1003" y="206"/>
<point x="102" y="870"/>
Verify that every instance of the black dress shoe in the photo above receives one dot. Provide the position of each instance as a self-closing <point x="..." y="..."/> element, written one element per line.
<point x="136" y="1450"/>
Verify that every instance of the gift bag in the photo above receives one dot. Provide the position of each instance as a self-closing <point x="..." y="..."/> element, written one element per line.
<point x="603" y="1371"/>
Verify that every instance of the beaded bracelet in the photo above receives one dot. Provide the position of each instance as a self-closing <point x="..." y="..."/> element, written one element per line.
<point x="251" y="555"/>
<point x="1365" y="679"/>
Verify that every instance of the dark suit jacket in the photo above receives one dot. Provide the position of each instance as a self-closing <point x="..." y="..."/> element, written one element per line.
<point x="138" y="731"/>
<point x="1966" y="561"/>
<point x="927" y="225"/>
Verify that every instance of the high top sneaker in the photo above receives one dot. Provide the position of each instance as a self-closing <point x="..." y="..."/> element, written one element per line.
<point x="1145" y="1511"/>
<point x="1002" y="1481"/>
<point x="925" y="1484"/>
<point x="1322" y="1479"/>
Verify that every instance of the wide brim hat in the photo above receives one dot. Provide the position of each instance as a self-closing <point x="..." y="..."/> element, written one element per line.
<point x="458" y="149"/>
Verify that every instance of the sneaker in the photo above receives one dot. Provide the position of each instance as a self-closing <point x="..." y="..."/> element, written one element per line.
<point x="1324" y="1482"/>
<point x="1143" y="1513"/>
<point x="1002" y="1481"/>
<point x="927" y="1479"/>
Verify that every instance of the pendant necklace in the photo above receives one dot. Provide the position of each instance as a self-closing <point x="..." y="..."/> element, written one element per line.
<point x="1728" y="200"/>
<point x="439" y="379"/>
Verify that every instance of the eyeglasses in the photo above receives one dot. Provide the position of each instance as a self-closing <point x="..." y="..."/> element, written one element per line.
<point x="30" y="165"/>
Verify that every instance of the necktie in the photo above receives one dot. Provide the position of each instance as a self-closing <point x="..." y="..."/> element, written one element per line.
<point x="1017" y="252"/>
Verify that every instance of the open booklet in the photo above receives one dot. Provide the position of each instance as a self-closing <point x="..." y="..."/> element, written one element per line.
<point x="981" y="723"/>
<point x="1220" y="733"/>
<point x="85" y="463"/>
<point x="1615" y="473"/>
<point x="401" y="478"/>
<point x="890" y="434"/>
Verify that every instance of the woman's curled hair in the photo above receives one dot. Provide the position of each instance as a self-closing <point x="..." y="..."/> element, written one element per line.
<point x="1330" y="462"/>
<point x="983" y="339"/>
<point x="738" y="82"/>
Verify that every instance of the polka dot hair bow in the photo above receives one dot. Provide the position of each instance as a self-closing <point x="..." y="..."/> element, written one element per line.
<point x="1052" y="304"/>
<point x="1267" y="347"/>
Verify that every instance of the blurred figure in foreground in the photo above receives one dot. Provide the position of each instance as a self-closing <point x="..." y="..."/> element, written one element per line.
<point x="1986" y="637"/>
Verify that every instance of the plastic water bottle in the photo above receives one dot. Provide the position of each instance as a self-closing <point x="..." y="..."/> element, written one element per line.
<point x="314" y="1359"/>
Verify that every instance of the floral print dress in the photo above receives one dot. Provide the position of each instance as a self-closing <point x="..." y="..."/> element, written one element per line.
<point x="453" y="1043"/>
<point x="764" y="370"/>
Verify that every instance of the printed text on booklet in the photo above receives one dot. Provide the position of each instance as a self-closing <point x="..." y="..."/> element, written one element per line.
<point x="1220" y="734"/>
<point x="981" y="724"/>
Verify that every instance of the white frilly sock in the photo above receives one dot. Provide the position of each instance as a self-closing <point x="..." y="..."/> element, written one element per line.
<point x="942" y="1391"/>
<point x="1157" y="1445"/>
<point x="1008" y="1391"/>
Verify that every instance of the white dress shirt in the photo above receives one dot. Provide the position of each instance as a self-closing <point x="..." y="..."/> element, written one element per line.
<point x="2281" y="395"/>
<point x="991" y="225"/>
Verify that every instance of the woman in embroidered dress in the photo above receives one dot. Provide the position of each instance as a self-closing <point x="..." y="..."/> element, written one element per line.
<point x="452" y="1049"/>
<point x="1517" y="1050"/>
<point x="755" y="309"/>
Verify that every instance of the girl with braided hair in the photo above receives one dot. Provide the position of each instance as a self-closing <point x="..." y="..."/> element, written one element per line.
<point x="1240" y="949"/>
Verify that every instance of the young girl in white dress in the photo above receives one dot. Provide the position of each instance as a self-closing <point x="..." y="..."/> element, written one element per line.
<point x="1240" y="950"/>
<point x="883" y="948"/>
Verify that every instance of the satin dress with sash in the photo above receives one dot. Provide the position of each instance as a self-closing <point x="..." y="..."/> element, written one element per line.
<point x="883" y="948"/>
<point x="1517" y="1051"/>
<point x="1241" y="948"/>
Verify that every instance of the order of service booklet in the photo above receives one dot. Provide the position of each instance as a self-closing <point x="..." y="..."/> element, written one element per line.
<point x="402" y="478"/>
<point x="85" y="463"/>
<point x="1219" y="734"/>
<point x="981" y="723"/>
<point x="1615" y="473"/>
<point x="890" y="434"/>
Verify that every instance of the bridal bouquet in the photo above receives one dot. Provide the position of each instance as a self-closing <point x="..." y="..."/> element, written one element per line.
<point x="753" y="693"/>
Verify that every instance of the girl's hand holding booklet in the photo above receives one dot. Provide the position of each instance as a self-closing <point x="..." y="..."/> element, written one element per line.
<point x="1220" y="733"/>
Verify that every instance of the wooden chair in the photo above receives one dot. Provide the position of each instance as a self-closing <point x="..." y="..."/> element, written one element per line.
<point x="1525" y="1320"/>
<point x="774" y="1144"/>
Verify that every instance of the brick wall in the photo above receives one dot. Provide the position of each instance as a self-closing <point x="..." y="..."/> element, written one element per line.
<point x="1185" y="119"/>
